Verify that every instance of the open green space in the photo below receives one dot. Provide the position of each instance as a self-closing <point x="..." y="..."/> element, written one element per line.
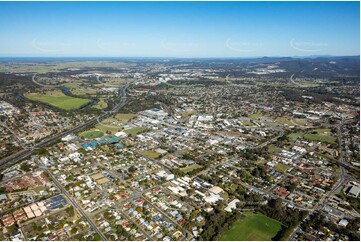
<point x="115" y="123"/>
<point x="252" y="228"/>
<point x="314" y="137"/>
<point x="101" y="104"/>
<point x="281" y="167"/>
<point x="284" y="120"/>
<point x="354" y="202"/>
<point x="294" y="136"/>
<point x="58" y="99"/>
<point x="321" y="138"/>
<point x="273" y="149"/>
<point x="91" y="134"/>
<point x="150" y="153"/>
<point x="135" y="131"/>
<point x="323" y="131"/>
<point x="125" y="117"/>
<point x="247" y="123"/>
<point x="81" y="87"/>
<point x="255" y="115"/>
<point x="191" y="168"/>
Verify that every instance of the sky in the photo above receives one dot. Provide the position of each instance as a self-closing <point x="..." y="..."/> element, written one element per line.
<point x="178" y="29"/>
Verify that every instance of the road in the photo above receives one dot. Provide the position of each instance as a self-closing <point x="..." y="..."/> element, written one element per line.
<point x="293" y="81"/>
<point x="13" y="159"/>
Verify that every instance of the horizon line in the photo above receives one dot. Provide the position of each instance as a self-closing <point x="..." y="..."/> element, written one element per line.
<point x="175" y="57"/>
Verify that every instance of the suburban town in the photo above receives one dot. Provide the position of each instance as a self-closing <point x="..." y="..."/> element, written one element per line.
<point x="180" y="120"/>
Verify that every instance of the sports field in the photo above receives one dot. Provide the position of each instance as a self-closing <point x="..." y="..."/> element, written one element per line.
<point x="58" y="99"/>
<point x="253" y="227"/>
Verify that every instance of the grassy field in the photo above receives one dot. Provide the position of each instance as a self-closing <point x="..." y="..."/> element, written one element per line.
<point x="135" y="131"/>
<point x="284" y="120"/>
<point x="273" y="149"/>
<point x="292" y="122"/>
<point x="323" y="131"/>
<point x="191" y="168"/>
<point x="91" y="134"/>
<point x="101" y="104"/>
<point x="125" y="117"/>
<point x="321" y="138"/>
<point x="248" y="123"/>
<point x="80" y="87"/>
<point x="282" y="167"/>
<point x="255" y="115"/>
<point x="58" y="99"/>
<point x="294" y="136"/>
<point x="150" y="153"/>
<point x="314" y="137"/>
<point x="107" y="125"/>
<point x="253" y="227"/>
<point x="115" y="124"/>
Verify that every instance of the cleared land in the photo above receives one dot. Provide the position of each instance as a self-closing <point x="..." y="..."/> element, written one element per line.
<point x="58" y="99"/>
<point x="91" y="134"/>
<point x="253" y="227"/>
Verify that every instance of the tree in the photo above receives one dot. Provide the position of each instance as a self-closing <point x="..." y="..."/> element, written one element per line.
<point x="132" y="169"/>
<point x="25" y="167"/>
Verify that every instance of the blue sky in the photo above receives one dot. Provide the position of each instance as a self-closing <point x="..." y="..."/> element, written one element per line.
<point x="179" y="29"/>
